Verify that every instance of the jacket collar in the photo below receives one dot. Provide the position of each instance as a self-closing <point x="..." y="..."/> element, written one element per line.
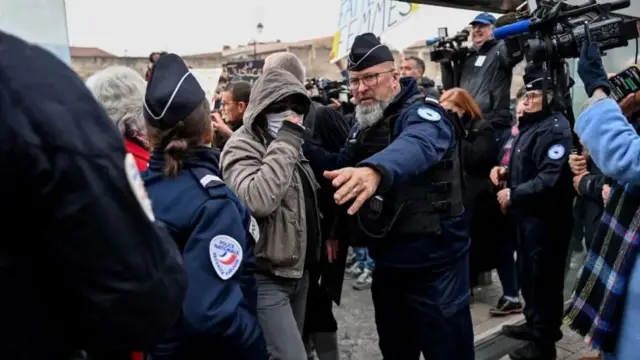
<point x="198" y="157"/>
<point x="408" y="90"/>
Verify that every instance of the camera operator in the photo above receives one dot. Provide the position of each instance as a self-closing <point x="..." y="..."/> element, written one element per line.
<point x="539" y="198"/>
<point x="610" y="317"/>
<point x="486" y="73"/>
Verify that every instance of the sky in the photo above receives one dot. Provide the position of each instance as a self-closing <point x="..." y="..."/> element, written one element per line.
<point x="139" y="27"/>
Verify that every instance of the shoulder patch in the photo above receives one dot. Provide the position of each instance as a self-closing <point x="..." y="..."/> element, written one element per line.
<point x="254" y="229"/>
<point x="226" y="255"/>
<point x="137" y="185"/>
<point x="210" y="181"/>
<point x="429" y="114"/>
<point x="556" y="152"/>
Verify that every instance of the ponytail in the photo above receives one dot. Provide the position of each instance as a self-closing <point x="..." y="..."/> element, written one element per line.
<point x="176" y="142"/>
<point x="174" y="154"/>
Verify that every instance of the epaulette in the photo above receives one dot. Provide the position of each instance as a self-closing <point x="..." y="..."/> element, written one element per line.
<point x="210" y="182"/>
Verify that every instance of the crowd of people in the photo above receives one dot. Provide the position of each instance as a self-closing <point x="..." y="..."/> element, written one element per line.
<point x="186" y="233"/>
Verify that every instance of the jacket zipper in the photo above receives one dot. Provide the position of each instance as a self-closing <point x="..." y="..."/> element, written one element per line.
<point x="315" y="186"/>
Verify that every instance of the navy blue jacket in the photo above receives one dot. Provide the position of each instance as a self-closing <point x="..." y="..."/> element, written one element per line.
<point x="81" y="264"/>
<point x="418" y="143"/>
<point x="539" y="175"/>
<point x="217" y="236"/>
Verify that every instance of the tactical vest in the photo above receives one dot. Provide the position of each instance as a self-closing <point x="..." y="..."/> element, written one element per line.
<point x="413" y="208"/>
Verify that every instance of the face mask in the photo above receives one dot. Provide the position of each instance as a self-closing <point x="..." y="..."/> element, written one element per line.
<point x="275" y="121"/>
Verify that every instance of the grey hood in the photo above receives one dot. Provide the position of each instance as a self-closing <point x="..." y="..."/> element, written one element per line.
<point x="273" y="85"/>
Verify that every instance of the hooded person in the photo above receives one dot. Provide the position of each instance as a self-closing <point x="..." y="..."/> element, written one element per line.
<point x="263" y="164"/>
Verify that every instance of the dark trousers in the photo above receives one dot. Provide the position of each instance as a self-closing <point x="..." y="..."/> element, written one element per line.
<point x="423" y="311"/>
<point x="542" y="251"/>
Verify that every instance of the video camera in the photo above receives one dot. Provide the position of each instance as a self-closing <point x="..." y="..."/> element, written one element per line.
<point x="447" y="49"/>
<point x="324" y="90"/>
<point x="552" y="29"/>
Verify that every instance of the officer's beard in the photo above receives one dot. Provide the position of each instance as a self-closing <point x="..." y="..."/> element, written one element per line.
<point x="369" y="115"/>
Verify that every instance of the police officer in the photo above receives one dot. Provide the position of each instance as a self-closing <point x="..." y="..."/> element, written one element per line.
<point x="400" y="168"/>
<point x="81" y="264"/>
<point x="212" y="228"/>
<point x="539" y="198"/>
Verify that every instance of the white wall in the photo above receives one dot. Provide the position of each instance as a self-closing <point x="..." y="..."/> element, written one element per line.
<point x="43" y="22"/>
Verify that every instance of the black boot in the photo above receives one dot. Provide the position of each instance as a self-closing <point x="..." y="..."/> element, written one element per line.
<point x="535" y="351"/>
<point x="518" y="332"/>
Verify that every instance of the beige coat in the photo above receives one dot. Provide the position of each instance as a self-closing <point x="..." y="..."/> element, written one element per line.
<point x="264" y="175"/>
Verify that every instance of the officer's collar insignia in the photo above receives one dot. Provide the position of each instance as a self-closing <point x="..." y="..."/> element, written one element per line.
<point x="429" y="114"/>
<point x="226" y="255"/>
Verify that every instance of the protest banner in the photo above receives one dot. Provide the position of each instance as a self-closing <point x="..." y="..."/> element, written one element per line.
<point x="362" y="16"/>
<point x="208" y="79"/>
<point x="244" y="70"/>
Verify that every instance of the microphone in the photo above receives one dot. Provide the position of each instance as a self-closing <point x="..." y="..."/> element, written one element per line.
<point x="434" y="40"/>
<point x="517" y="28"/>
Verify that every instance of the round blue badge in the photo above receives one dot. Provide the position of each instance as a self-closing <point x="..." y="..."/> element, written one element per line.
<point x="556" y="152"/>
<point x="429" y="114"/>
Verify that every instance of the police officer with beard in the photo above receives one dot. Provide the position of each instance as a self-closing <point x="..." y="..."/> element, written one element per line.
<point x="539" y="198"/>
<point x="399" y="174"/>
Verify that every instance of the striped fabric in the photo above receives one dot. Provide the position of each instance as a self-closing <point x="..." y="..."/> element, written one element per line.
<point x="598" y="298"/>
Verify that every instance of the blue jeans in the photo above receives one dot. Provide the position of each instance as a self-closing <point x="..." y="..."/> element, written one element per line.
<point x="362" y="257"/>
<point x="629" y="340"/>
<point x="506" y="266"/>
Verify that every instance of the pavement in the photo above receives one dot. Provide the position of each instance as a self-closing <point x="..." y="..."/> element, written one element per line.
<point x="358" y="339"/>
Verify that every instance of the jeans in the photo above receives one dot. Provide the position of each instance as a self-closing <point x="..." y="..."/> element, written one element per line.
<point x="281" y="311"/>
<point x="362" y="257"/>
<point x="506" y="264"/>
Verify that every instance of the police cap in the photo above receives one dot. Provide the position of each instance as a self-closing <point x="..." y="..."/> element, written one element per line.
<point x="172" y="93"/>
<point x="367" y="51"/>
<point x="533" y="78"/>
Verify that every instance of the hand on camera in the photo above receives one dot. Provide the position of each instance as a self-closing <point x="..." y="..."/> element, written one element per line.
<point x="578" y="164"/>
<point x="591" y="69"/>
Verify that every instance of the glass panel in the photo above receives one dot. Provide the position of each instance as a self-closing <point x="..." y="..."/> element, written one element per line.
<point x="42" y="22"/>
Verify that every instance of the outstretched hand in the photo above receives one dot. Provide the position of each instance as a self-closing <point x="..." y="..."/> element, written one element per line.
<point x="353" y="183"/>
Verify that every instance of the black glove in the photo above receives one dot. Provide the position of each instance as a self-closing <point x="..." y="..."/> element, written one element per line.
<point x="591" y="70"/>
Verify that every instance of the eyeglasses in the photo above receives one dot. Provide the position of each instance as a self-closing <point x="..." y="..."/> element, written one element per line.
<point x="530" y="96"/>
<point x="369" y="80"/>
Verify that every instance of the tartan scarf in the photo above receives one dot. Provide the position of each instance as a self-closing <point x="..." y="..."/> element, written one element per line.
<point x="598" y="299"/>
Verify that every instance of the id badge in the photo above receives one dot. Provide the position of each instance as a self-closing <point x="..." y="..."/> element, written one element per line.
<point x="480" y="60"/>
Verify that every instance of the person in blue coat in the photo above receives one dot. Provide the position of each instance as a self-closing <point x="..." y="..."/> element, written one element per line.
<point x="213" y="229"/>
<point x="399" y="175"/>
<point x="539" y="198"/>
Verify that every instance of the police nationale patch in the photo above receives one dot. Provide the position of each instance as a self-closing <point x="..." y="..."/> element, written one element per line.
<point x="254" y="229"/>
<point x="137" y="185"/>
<point x="556" y="152"/>
<point x="429" y="114"/>
<point x="226" y="255"/>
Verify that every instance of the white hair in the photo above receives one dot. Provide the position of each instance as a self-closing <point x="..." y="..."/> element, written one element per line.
<point x="288" y="62"/>
<point x="120" y="90"/>
<point x="367" y="116"/>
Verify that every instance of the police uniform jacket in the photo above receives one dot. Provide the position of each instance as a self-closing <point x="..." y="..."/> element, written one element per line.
<point x="422" y="135"/>
<point x="84" y="268"/>
<point x="217" y="236"/>
<point x="538" y="173"/>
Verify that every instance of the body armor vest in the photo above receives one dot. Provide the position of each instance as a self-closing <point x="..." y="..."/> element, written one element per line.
<point x="417" y="206"/>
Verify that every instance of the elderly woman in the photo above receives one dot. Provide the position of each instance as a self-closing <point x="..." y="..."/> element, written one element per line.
<point x="263" y="164"/>
<point x="120" y="90"/>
